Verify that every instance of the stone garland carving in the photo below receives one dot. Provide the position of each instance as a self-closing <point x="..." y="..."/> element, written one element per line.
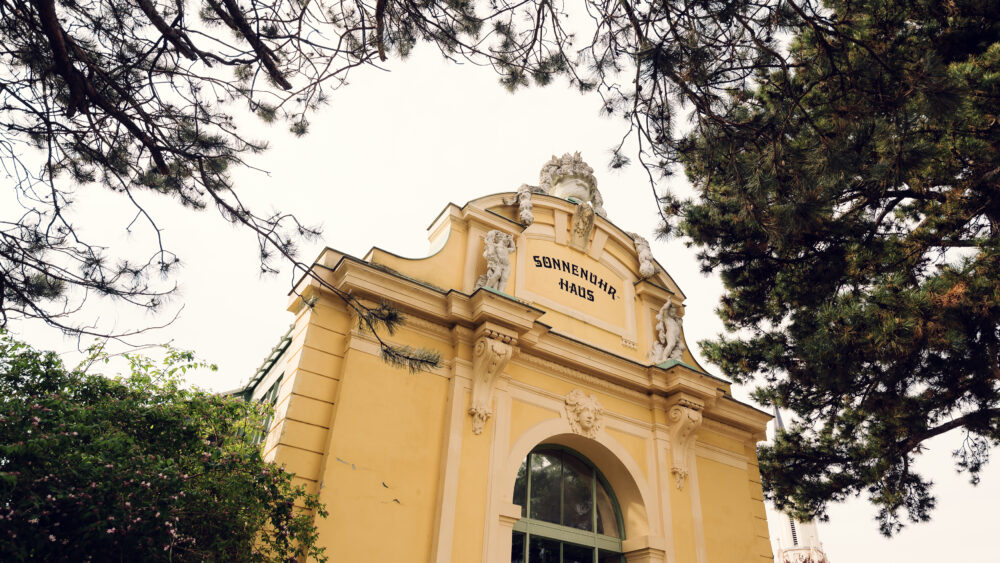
<point x="668" y="345"/>
<point x="683" y="420"/>
<point x="499" y="245"/>
<point x="583" y="224"/>
<point x="489" y="358"/>
<point x="598" y="202"/>
<point x="647" y="266"/>
<point x="584" y="413"/>
<point x="523" y="201"/>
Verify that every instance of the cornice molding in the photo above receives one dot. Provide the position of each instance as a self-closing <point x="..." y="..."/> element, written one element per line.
<point x="527" y="359"/>
<point x="430" y="328"/>
<point x="738" y="420"/>
<point x="364" y="342"/>
<point x="455" y="317"/>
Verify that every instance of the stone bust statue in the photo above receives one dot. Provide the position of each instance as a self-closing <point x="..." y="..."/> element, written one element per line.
<point x="566" y="177"/>
<point x="569" y="177"/>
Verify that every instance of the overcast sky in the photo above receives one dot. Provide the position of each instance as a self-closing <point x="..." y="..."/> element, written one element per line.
<point x="380" y="162"/>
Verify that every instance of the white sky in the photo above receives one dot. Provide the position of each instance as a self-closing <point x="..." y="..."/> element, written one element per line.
<point x="380" y="162"/>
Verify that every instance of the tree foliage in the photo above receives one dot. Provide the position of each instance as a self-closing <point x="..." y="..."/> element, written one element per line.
<point x="850" y="202"/>
<point x="844" y="154"/>
<point x="147" y="95"/>
<point x="137" y="468"/>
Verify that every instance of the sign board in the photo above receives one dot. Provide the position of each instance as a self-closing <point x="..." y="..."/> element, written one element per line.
<point x="572" y="283"/>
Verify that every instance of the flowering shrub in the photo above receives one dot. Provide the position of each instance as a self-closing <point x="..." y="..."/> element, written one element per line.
<point x="137" y="468"/>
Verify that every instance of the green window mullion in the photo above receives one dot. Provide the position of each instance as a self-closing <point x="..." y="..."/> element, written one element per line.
<point x="527" y="498"/>
<point x="562" y="492"/>
<point x="593" y="516"/>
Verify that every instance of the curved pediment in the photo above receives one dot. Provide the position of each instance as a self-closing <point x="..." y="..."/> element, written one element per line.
<point x="584" y="271"/>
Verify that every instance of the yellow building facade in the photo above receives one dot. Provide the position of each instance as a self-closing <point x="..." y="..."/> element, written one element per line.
<point x="566" y="422"/>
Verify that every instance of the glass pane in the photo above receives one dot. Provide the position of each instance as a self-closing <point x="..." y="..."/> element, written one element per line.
<point x="521" y="487"/>
<point x="609" y="557"/>
<point x="607" y="521"/>
<point x="546" y="477"/>
<point x="543" y="550"/>
<point x="517" y="548"/>
<point x="578" y="501"/>
<point x="577" y="553"/>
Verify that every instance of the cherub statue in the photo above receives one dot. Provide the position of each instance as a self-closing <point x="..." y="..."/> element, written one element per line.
<point x="669" y="345"/>
<point x="499" y="245"/>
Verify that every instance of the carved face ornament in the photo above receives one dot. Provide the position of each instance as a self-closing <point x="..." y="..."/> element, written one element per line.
<point x="586" y="417"/>
<point x="584" y="413"/>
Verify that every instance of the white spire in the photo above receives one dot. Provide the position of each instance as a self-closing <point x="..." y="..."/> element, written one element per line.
<point x="798" y="542"/>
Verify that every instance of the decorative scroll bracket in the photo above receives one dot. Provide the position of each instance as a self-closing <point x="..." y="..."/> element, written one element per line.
<point x="684" y="419"/>
<point x="489" y="358"/>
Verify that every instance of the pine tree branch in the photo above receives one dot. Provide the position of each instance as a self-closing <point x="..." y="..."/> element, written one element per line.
<point x="974" y="417"/>
<point x="63" y="65"/>
<point x="235" y="19"/>
<point x="168" y="33"/>
<point x="380" y="6"/>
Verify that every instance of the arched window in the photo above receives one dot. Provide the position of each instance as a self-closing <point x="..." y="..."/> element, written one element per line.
<point x="568" y="512"/>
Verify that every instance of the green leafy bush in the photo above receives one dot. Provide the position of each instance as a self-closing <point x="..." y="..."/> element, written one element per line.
<point x="138" y="468"/>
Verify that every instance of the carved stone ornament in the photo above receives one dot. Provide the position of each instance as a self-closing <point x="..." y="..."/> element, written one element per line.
<point x="810" y="556"/>
<point x="522" y="199"/>
<point x="568" y="176"/>
<point x="499" y="245"/>
<point x="668" y="345"/>
<point x="647" y="266"/>
<point x="583" y="224"/>
<point x="684" y="420"/>
<point x="584" y="413"/>
<point x="489" y="358"/>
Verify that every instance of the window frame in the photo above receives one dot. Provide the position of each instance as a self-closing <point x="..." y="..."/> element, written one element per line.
<point x="559" y="532"/>
<point x="269" y="398"/>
